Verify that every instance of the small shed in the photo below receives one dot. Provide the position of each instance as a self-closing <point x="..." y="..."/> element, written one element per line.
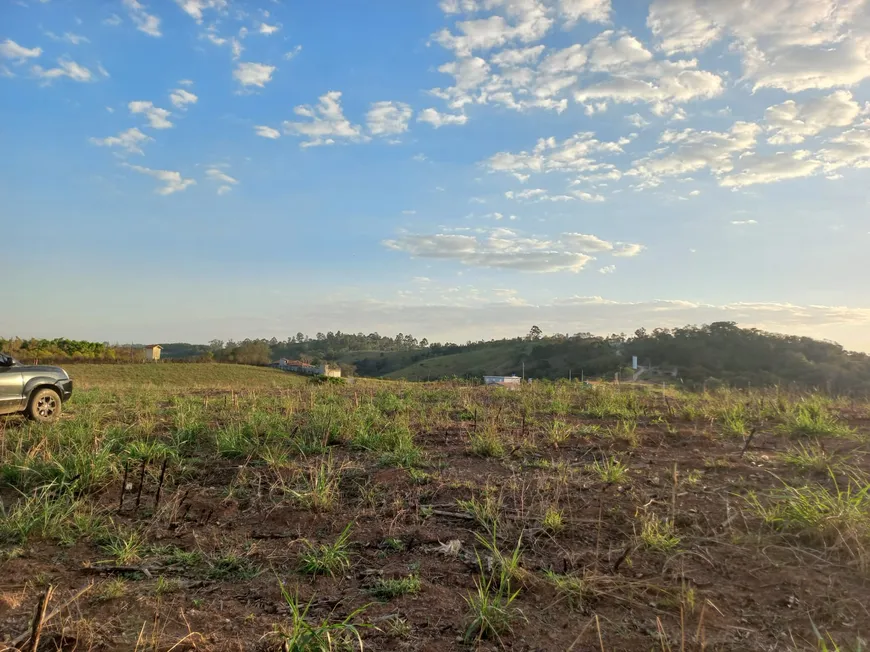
<point x="504" y="381"/>
<point x="152" y="352"/>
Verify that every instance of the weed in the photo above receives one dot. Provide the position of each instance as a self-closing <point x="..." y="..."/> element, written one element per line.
<point x="552" y="520"/>
<point x="487" y="512"/>
<point x="391" y="543"/>
<point x="300" y="634"/>
<point x="124" y="548"/>
<point x="319" y="487"/>
<point x="398" y="627"/>
<point x="694" y="477"/>
<point x="559" y="432"/>
<point x="232" y="567"/>
<point x="575" y="590"/>
<point x="838" y="516"/>
<point x="808" y="457"/>
<point x="486" y="443"/>
<point x="387" y="589"/>
<point x="734" y="421"/>
<point x="813" y="418"/>
<point x="609" y="470"/>
<point x="625" y="430"/>
<point x="491" y="611"/>
<point x="111" y="590"/>
<point x="658" y="534"/>
<point x="327" y="558"/>
<point x="166" y="587"/>
<point x="588" y="429"/>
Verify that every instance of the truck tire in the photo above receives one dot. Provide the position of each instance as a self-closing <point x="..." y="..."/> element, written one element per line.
<point x="45" y="406"/>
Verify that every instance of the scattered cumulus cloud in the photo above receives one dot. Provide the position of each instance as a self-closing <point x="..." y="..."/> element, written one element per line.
<point x="268" y="30"/>
<point x="172" y="181"/>
<point x="180" y="98"/>
<point x="66" y="68"/>
<point x="791" y="123"/>
<point x="325" y="124"/>
<point x="157" y="118"/>
<point x="146" y="23"/>
<point x="607" y="269"/>
<point x="225" y="182"/>
<point x="502" y="248"/>
<point x="9" y="49"/>
<point x="267" y="132"/>
<point x="130" y="141"/>
<point x="112" y="21"/>
<point x="68" y="37"/>
<point x="388" y="118"/>
<point x="196" y="8"/>
<point x="438" y="119"/>
<point x="253" y="74"/>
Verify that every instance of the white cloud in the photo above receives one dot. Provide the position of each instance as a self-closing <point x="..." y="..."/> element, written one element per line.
<point x="743" y="222"/>
<point x="792" y="123"/>
<point x="253" y="74"/>
<point x="172" y="181"/>
<point x="574" y="154"/>
<point x="226" y="181"/>
<point x="157" y="117"/>
<point x="587" y="196"/>
<point x="628" y="250"/>
<point x="68" y="37"/>
<point x="753" y="169"/>
<point x="587" y="243"/>
<point x="849" y="149"/>
<point x="195" y="8"/>
<point x="689" y="151"/>
<point x="388" y="118"/>
<point x="327" y="123"/>
<point x="237" y="48"/>
<point x="267" y="132"/>
<point x="500" y="251"/>
<point x="130" y="140"/>
<point x="636" y="120"/>
<point x="268" y="30"/>
<point x="185" y="82"/>
<point x="67" y="68"/>
<point x="112" y="21"/>
<point x="181" y="98"/>
<point x="9" y="49"/>
<point x="292" y="53"/>
<point x="794" y="45"/>
<point x="594" y="11"/>
<point x="438" y="119"/>
<point x="147" y="23"/>
<point x="607" y="269"/>
<point x="502" y="248"/>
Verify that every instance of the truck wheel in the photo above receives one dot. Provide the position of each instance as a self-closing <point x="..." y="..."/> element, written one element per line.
<point x="45" y="406"/>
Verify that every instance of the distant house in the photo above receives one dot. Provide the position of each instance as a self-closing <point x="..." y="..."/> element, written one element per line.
<point x="505" y="381"/>
<point x="300" y="367"/>
<point x="152" y="352"/>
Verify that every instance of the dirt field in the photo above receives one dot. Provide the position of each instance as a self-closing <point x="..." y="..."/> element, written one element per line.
<point x="267" y="512"/>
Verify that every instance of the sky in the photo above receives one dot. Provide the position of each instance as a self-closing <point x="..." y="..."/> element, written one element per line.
<point x="183" y="170"/>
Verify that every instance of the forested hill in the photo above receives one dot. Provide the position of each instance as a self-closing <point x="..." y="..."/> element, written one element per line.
<point x="717" y="353"/>
<point x="720" y="352"/>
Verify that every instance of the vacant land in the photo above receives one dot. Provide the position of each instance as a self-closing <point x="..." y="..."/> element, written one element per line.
<point x="222" y="508"/>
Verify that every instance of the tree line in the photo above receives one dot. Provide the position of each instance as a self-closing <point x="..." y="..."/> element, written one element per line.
<point x="720" y="352"/>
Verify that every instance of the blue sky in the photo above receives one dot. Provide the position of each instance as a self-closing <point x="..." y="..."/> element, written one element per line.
<point x="459" y="170"/>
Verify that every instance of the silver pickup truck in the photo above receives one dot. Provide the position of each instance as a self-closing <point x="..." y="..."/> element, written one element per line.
<point x="37" y="390"/>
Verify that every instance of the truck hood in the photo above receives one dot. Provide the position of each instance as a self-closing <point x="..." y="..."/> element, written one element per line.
<point x="37" y="369"/>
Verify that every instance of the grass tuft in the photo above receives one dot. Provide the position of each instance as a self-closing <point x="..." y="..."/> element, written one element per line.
<point x="327" y="558"/>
